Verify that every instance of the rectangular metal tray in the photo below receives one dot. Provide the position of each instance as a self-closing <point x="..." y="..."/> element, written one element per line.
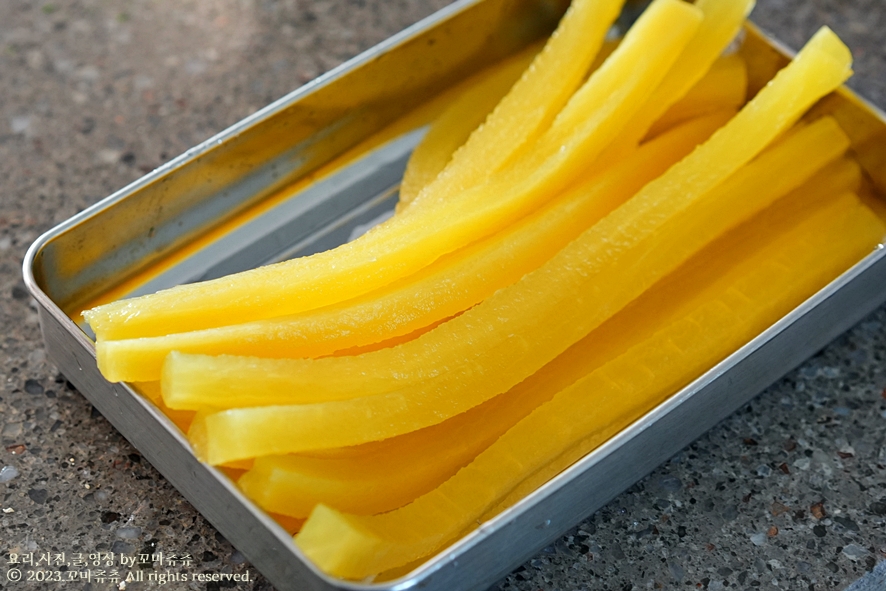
<point x="229" y="204"/>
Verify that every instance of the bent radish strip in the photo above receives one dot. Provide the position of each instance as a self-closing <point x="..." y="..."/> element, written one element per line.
<point x="509" y="336"/>
<point x="422" y="233"/>
<point x="599" y="405"/>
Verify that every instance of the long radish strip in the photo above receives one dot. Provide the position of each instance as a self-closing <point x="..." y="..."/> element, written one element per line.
<point x="454" y="126"/>
<point x="780" y="169"/>
<point x="509" y="336"/>
<point x="381" y="476"/>
<point x="528" y="109"/>
<point x="725" y="85"/>
<point x="448" y="286"/>
<point x="807" y="257"/>
<point x="622" y="408"/>
<point x="626" y="233"/>
<point x="865" y="224"/>
<point x="421" y="234"/>
<point x="841" y="178"/>
<point x="722" y="22"/>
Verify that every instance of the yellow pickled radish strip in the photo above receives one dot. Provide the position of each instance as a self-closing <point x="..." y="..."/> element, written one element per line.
<point x="509" y="336"/>
<point x="453" y="127"/>
<point x="528" y="109"/>
<point x="447" y="287"/>
<point x="313" y="335"/>
<point x="374" y="483"/>
<point x="409" y="241"/>
<point x="609" y="46"/>
<point x="668" y="22"/>
<point x="820" y="194"/>
<point x="782" y="168"/>
<point x="724" y="86"/>
<point x="381" y="476"/>
<point x="624" y="406"/>
<point x="611" y="86"/>
<point x="392" y="341"/>
<point x="807" y="256"/>
<point x="722" y="21"/>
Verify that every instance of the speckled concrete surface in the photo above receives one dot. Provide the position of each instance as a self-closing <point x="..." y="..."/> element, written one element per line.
<point x="789" y="493"/>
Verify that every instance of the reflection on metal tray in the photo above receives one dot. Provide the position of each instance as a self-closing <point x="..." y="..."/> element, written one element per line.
<point x="276" y="186"/>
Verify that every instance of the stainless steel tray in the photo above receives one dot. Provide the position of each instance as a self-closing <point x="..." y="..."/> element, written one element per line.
<point x="228" y="204"/>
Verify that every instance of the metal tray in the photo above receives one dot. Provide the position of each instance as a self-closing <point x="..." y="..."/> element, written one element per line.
<point x="275" y="186"/>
